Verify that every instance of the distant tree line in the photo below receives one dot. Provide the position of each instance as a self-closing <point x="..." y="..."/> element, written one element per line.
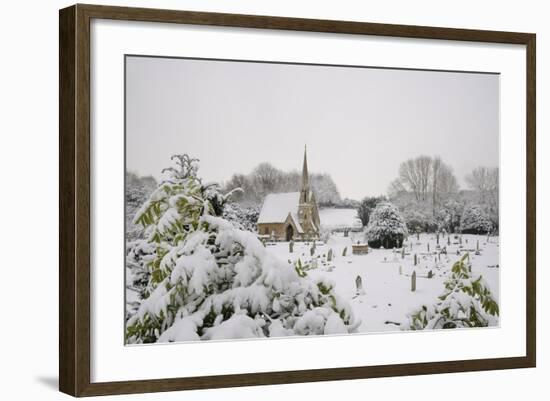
<point x="428" y="196"/>
<point x="265" y="179"/>
<point x="137" y="191"/>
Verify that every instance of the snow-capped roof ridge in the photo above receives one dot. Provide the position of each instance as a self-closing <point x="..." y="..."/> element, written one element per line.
<point x="276" y="207"/>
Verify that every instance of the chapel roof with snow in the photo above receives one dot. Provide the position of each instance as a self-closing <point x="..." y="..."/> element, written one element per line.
<point x="277" y="207"/>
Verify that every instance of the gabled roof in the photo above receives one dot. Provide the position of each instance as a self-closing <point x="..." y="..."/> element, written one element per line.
<point x="332" y="218"/>
<point x="276" y="207"/>
<point x="294" y="217"/>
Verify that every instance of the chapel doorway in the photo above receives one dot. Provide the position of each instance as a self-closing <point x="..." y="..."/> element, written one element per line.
<point x="289" y="233"/>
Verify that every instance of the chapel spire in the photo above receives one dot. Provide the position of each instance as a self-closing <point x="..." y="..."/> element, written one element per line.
<point x="305" y="174"/>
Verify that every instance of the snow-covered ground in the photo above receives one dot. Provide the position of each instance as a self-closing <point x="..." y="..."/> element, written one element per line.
<point x="387" y="293"/>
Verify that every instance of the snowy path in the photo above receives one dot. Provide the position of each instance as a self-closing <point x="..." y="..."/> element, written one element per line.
<point x="388" y="297"/>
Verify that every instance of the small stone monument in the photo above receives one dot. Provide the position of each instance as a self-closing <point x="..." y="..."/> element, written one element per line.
<point x="345" y="251"/>
<point x="359" y="286"/>
<point x="329" y="256"/>
<point x="291" y="246"/>
<point x="413" y="281"/>
<point x="403" y="252"/>
<point x="415" y="259"/>
<point x="430" y="274"/>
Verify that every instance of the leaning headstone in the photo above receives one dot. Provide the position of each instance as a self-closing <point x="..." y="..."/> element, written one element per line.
<point x="312" y="250"/>
<point x="329" y="257"/>
<point x="359" y="286"/>
<point x="345" y="251"/>
<point x="413" y="281"/>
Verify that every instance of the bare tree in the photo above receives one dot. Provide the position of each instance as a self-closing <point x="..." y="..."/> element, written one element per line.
<point x="443" y="182"/>
<point x="266" y="179"/>
<point x="428" y="180"/>
<point x="485" y="182"/>
<point x="414" y="176"/>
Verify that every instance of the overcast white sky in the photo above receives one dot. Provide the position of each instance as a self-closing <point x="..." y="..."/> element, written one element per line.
<point x="359" y="124"/>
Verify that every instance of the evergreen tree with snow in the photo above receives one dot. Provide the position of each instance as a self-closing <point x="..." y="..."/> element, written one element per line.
<point x="366" y="207"/>
<point x="475" y="221"/>
<point x="211" y="280"/>
<point x="386" y="227"/>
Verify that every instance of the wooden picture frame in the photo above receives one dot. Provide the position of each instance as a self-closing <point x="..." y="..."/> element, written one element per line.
<point x="75" y="207"/>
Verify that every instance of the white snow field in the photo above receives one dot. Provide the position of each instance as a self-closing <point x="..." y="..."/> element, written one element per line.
<point x="387" y="297"/>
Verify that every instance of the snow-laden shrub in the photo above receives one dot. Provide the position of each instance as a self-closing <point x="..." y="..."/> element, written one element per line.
<point x="449" y="215"/>
<point x="466" y="302"/>
<point x="475" y="221"/>
<point x="244" y="218"/>
<point x="386" y="227"/>
<point x="139" y="255"/>
<point x="419" y="221"/>
<point x="211" y="280"/>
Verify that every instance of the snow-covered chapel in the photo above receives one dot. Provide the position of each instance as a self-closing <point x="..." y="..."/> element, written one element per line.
<point x="292" y="215"/>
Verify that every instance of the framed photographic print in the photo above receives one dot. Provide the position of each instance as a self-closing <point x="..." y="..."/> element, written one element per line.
<point x="250" y="200"/>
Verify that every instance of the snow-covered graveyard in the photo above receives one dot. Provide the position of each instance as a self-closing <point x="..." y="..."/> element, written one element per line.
<point x="206" y="269"/>
<point x="384" y="297"/>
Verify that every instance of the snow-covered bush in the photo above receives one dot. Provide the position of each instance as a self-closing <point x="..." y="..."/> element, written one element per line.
<point x="211" y="280"/>
<point x="475" y="221"/>
<point x="386" y="227"/>
<point x="449" y="216"/>
<point x="244" y="218"/>
<point x="366" y="207"/>
<point x="139" y="255"/>
<point x="466" y="302"/>
<point x="419" y="221"/>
